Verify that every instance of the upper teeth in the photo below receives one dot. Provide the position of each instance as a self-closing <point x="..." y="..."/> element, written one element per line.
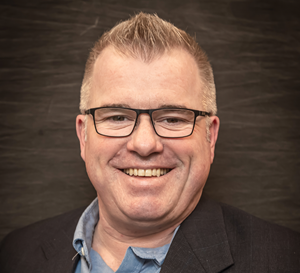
<point x="146" y="172"/>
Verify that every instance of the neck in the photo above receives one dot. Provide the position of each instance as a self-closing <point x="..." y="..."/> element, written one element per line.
<point x="112" y="244"/>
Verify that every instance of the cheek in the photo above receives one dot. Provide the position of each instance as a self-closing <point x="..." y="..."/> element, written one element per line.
<point x="198" y="176"/>
<point x="100" y="151"/>
<point x="196" y="159"/>
<point x="94" y="160"/>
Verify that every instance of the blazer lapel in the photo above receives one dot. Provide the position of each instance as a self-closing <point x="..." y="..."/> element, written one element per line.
<point x="181" y="257"/>
<point x="58" y="250"/>
<point x="201" y="243"/>
<point x="60" y="253"/>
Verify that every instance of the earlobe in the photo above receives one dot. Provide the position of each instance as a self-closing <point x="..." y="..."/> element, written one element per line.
<point x="214" y="130"/>
<point x="80" y="129"/>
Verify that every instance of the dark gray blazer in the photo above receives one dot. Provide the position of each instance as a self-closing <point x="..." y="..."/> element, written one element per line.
<point x="214" y="238"/>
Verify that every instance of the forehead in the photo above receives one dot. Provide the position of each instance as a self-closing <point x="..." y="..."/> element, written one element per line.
<point x="170" y="79"/>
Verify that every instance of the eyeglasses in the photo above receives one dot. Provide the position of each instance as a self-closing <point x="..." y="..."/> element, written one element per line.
<point x="167" y="122"/>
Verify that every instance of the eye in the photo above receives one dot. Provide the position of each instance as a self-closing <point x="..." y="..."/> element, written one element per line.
<point x="118" y="118"/>
<point x="172" y="120"/>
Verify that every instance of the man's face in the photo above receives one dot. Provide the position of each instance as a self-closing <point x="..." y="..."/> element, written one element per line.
<point x="147" y="203"/>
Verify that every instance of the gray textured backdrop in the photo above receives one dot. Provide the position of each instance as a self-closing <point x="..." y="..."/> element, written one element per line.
<point x="254" y="48"/>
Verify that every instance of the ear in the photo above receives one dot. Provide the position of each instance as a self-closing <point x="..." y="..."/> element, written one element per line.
<point x="214" y="130"/>
<point x="80" y="129"/>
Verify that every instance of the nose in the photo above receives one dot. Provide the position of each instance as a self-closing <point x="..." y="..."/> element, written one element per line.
<point x="144" y="140"/>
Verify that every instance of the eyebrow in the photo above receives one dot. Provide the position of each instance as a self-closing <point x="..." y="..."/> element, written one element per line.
<point x="173" y="106"/>
<point x="119" y="105"/>
<point x="124" y="105"/>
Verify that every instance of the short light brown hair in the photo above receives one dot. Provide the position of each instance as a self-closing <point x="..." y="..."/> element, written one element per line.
<point x="146" y="37"/>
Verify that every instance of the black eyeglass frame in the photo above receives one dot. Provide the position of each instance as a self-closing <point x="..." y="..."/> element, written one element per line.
<point x="149" y="112"/>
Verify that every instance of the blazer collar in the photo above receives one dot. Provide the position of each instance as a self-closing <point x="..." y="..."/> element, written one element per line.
<point x="201" y="243"/>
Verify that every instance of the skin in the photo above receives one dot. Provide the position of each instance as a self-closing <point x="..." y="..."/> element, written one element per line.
<point x="144" y="211"/>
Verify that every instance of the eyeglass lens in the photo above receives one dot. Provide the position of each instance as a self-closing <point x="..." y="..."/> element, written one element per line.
<point x="120" y="122"/>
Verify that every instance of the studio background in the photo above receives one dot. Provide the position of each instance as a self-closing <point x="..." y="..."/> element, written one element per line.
<point x="254" y="48"/>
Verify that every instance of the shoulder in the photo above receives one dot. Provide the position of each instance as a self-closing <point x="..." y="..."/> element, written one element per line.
<point x="249" y="243"/>
<point x="244" y="223"/>
<point x="26" y="243"/>
<point x="269" y="245"/>
<point x="44" y="227"/>
<point x="245" y="242"/>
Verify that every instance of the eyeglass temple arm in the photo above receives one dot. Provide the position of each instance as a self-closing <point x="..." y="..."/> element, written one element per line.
<point x="203" y="114"/>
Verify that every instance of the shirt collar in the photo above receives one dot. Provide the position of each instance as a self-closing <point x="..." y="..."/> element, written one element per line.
<point x="83" y="236"/>
<point x="157" y="254"/>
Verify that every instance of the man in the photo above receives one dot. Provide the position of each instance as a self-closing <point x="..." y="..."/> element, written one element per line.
<point x="147" y="133"/>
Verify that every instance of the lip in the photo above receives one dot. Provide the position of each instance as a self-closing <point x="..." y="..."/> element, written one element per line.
<point x="145" y="172"/>
<point x="133" y="166"/>
<point x="144" y="185"/>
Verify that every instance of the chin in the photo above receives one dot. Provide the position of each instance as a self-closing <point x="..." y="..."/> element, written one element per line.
<point x="147" y="212"/>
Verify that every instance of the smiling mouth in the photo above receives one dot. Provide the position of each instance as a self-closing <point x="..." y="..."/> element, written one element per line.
<point x="146" y="172"/>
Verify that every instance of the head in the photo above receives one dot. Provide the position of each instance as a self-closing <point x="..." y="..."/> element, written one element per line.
<point x="147" y="63"/>
<point x="147" y="37"/>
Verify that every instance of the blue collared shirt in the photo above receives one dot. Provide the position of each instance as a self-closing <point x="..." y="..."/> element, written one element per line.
<point x="144" y="260"/>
